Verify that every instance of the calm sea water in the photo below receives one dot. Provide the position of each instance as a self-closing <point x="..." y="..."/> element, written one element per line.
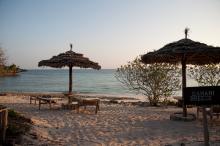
<point x="85" y="81"/>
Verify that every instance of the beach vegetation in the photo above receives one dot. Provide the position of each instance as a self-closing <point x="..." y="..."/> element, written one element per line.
<point x="2" y="57"/>
<point x="155" y="81"/>
<point x="18" y="125"/>
<point x="205" y="75"/>
<point x="7" y="70"/>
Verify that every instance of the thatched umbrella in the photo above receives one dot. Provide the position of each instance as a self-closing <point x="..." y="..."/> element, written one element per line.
<point x="184" y="51"/>
<point x="69" y="59"/>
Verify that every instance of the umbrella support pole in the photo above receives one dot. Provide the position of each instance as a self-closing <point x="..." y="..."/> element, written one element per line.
<point x="70" y="79"/>
<point x="205" y="126"/>
<point x="70" y="59"/>
<point x="184" y="85"/>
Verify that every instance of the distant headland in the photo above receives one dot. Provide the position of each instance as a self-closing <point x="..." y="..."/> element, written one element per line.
<point x="11" y="70"/>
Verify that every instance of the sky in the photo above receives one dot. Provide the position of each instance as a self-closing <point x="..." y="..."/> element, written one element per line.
<point x="110" y="32"/>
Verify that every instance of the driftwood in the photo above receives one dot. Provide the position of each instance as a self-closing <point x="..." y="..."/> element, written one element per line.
<point x="3" y="123"/>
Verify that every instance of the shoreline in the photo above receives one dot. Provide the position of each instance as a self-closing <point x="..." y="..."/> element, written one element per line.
<point x="82" y="95"/>
<point x="104" y="97"/>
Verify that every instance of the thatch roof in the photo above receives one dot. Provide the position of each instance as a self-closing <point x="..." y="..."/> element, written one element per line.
<point x="69" y="59"/>
<point x="195" y="53"/>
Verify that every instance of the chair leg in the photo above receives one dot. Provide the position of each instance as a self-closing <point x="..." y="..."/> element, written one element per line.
<point x="211" y="116"/>
<point x="96" y="109"/>
<point x="39" y="103"/>
<point x="77" y="108"/>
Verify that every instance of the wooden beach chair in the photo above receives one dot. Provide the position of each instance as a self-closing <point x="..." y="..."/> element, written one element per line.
<point x="212" y="111"/>
<point x="86" y="102"/>
<point x="215" y="111"/>
<point x="47" y="99"/>
<point x="33" y="98"/>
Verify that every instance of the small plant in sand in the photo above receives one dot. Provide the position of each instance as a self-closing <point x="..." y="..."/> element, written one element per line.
<point x="155" y="81"/>
<point x="206" y="75"/>
<point x="17" y="126"/>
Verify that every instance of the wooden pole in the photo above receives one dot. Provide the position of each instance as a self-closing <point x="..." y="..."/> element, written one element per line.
<point x="70" y="83"/>
<point x="205" y="126"/>
<point x="183" y="62"/>
<point x="70" y="79"/>
<point x="4" y="123"/>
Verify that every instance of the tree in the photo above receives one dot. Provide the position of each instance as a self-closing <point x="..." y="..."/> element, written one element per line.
<point x="4" y="69"/>
<point x="2" y="57"/>
<point x="13" y="68"/>
<point x="155" y="81"/>
<point x="206" y="75"/>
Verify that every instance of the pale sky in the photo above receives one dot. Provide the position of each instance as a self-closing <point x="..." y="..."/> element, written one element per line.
<point x="110" y="32"/>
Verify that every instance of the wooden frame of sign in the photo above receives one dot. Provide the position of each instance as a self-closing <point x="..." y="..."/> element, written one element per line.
<point x="202" y="96"/>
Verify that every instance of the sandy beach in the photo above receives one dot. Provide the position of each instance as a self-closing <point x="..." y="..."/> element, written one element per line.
<point x="114" y="125"/>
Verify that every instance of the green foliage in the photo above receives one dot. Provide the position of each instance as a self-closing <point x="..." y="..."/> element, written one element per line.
<point x="2" y="57"/>
<point x="154" y="81"/>
<point x="9" y="70"/>
<point x="13" y="68"/>
<point x="12" y="113"/>
<point x="206" y="75"/>
<point x="6" y="70"/>
<point x="17" y="125"/>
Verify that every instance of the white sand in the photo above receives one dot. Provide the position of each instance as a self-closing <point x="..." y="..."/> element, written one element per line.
<point x="113" y="125"/>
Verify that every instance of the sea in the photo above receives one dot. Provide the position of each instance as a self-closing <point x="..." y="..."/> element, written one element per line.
<point x="85" y="81"/>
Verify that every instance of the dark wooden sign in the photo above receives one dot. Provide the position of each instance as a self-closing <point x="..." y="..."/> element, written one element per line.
<point x="209" y="95"/>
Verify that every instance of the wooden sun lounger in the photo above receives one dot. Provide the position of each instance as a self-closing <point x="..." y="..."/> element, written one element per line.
<point x="213" y="111"/>
<point x="33" y="98"/>
<point x="90" y="102"/>
<point x="48" y="100"/>
<point x="86" y="102"/>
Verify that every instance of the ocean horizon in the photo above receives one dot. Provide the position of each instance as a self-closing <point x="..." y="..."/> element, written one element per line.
<point x="85" y="81"/>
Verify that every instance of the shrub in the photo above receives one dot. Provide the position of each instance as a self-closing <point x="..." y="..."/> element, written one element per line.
<point x="154" y="81"/>
<point x="206" y="75"/>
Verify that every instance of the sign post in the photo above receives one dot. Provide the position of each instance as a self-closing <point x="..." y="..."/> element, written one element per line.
<point x="203" y="96"/>
<point x="205" y="126"/>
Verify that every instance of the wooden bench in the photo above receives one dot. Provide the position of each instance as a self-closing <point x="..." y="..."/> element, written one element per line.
<point x="86" y="102"/>
<point x="75" y="105"/>
<point x="47" y="100"/>
<point x="212" y="111"/>
<point x="33" y="98"/>
<point x="90" y="102"/>
<point x="72" y="105"/>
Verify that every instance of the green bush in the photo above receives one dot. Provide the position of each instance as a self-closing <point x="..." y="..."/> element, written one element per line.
<point x="155" y="81"/>
<point x="12" y="113"/>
